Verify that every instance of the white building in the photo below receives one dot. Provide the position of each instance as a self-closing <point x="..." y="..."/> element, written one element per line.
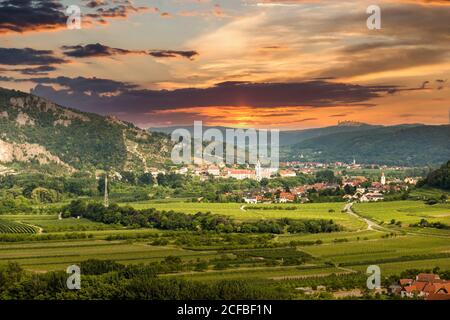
<point x="371" y="197"/>
<point x="183" y="170"/>
<point x="287" y="173"/>
<point x="383" y="179"/>
<point x="251" y="200"/>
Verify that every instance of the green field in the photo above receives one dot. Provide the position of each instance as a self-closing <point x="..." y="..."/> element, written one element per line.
<point x="348" y="251"/>
<point x="408" y="212"/>
<point x="240" y="213"/>
<point x="51" y="223"/>
<point x="12" y="227"/>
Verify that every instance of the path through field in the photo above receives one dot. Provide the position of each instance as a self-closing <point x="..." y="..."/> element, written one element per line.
<point x="39" y="229"/>
<point x="371" y="225"/>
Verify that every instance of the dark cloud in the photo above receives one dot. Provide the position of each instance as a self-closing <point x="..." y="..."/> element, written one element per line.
<point x="6" y="79"/>
<point x="95" y="3"/>
<point x="99" y="50"/>
<point x="41" y="70"/>
<point x="94" y="50"/>
<point x="339" y="115"/>
<point x="102" y="95"/>
<point x="440" y="83"/>
<point x="28" y="56"/>
<point x="173" y="54"/>
<point x="119" y="11"/>
<point x="31" y="15"/>
<point x="306" y="119"/>
<point x="81" y="85"/>
<point x="37" y="15"/>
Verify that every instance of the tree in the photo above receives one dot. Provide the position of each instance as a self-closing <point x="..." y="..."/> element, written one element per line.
<point x="129" y="177"/>
<point x="146" y="179"/>
<point x="439" y="178"/>
<point x="326" y="176"/>
<point x="264" y="182"/>
<point x="101" y="185"/>
<point x="42" y="195"/>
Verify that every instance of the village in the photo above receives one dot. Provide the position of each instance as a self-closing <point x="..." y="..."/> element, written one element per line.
<point x="428" y="286"/>
<point x="351" y="187"/>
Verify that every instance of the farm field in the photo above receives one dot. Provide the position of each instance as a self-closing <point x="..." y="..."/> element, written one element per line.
<point x="407" y="212"/>
<point x="346" y="252"/>
<point x="243" y="212"/>
<point x="51" y="223"/>
<point x="58" y="255"/>
<point x="12" y="227"/>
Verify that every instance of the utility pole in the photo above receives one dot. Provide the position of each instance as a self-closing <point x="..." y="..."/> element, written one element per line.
<point x="106" y="199"/>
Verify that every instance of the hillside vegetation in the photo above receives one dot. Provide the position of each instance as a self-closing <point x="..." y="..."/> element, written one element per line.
<point x="411" y="145"/>
<point x="439" y="178"/>
<point x="36" y="131"/>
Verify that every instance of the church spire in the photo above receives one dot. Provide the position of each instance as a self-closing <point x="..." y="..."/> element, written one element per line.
<point x="106" y="198"/>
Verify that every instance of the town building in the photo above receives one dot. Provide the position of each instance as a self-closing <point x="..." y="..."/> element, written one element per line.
<point x="287" y="173"/>
<point x="371" y="197"/>
<point x="383" y="179"/>
<point x="213" y="170"/>
<point x="426" y="285"/>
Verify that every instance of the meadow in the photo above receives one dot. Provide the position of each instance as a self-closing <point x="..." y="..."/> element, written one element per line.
<point x="242" y="212"/>
<point x="407" y="212"/>
<point x="341" y="253"/>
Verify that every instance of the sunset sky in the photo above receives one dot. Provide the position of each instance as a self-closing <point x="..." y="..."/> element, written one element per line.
<point x="246" y="63"/>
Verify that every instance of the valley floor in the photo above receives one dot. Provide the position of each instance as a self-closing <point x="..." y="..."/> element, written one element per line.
<point x="369" y="238"/>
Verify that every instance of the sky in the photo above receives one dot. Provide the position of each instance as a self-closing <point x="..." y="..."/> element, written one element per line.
<point x="286" y="64"/>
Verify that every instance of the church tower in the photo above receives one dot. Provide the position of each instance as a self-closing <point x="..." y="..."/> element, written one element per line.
<point x="106" y="197"/>
<point x="258" y="171"/>
<point x="383" y="178"/>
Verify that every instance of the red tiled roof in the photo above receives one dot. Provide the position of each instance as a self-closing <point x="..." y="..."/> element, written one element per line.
<point x="420" y="285"/>
<point x="411" y="288"/>
<point x="240" y="171"/>
<point x="429" y="288"/>
<point x="428" y="277"/>
<point x="405" y="281"/>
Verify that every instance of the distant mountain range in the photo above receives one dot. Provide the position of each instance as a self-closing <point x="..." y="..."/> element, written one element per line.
<point x="406" y="144"/>
<point x="35" y="131"/>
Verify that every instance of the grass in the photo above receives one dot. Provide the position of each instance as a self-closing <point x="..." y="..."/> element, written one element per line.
<point x="235" y="210"/>
<point x="59" y="255"/>
<point x="408" y="212"/>
<point x="355" y="248"/>
<point x="12" y="227"/>
<point x="378" y="249"/>
<point x="51" y="223"/>
<point x="258" y="273"/>
<point x="427" y="193"/>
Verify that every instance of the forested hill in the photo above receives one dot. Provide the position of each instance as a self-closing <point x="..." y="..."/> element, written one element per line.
<point x="36" y="131"/>
<point x="439" y="178"/>
<point x="396" y="145"/>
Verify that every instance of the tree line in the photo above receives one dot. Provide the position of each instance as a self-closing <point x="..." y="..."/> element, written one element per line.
<point x="171" y="220"/>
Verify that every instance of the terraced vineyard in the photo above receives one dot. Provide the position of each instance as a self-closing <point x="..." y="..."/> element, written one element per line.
<point x="15" y="227"/>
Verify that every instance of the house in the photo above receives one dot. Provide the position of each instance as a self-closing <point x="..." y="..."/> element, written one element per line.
<point x="286" y="197"/>
<point x="412" y="181"/>
<point x="251" y="200"/>
<point x="287" y="173"/>
<point x="213" y="170"/>
<point x="371" y="197"/>
<point x="360" y="190"/>
<point x="427" y="285"/>
<point x="183" y="170"/>
<point x="240" y="174"/>
<point x="300" y="191"/>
